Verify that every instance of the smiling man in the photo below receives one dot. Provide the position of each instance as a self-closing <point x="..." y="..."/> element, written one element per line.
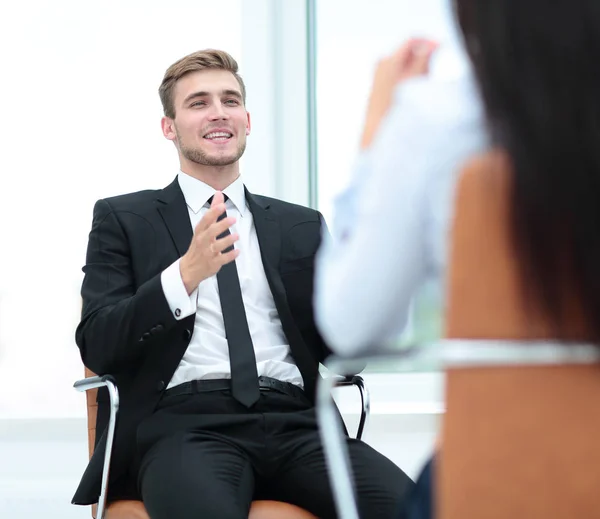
<point x="197" y="298"/>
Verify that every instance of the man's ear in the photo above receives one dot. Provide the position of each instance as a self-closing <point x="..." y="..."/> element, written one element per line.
<point x="168" y="128"/>
<point x="248" y="125"/>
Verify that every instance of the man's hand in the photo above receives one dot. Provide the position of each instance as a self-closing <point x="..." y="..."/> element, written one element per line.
<point x="410" y="60"/>
<point x="205" y="256"/>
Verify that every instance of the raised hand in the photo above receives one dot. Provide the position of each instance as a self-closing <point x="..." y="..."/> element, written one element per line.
<point x="410" y="60"/>
<point x="205" y="256"/>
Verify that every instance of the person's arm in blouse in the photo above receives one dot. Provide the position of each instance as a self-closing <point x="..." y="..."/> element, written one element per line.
<point x="374" y="261"/>
<point x="409" y="61"/>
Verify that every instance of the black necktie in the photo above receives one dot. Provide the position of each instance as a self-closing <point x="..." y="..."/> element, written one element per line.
<point x="244" y="376"/>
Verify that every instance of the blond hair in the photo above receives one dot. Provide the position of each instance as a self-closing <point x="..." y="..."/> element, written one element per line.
<point x="208" y="59"/>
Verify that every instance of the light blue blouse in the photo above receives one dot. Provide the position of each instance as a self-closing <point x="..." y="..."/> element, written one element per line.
<point x="390" y="226"/>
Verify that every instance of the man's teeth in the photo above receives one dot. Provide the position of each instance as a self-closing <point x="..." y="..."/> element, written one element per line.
<point x="218" y="135"/>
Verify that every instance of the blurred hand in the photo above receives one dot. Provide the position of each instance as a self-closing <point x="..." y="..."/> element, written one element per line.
<point x="410" y="60"/>
<point x="205" y="257"/>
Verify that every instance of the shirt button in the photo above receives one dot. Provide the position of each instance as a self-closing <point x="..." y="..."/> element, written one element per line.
<point x="187" y="334"/>
<point x="177" y="312"/>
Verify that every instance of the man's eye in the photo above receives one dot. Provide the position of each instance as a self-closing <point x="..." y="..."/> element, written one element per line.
<point x="198" y="103"/>
<point x="232" y="102"/>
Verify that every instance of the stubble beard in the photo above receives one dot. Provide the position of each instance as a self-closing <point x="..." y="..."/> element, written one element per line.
<point x="199" y="156"/>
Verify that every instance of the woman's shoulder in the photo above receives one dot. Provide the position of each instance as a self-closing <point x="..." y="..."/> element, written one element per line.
<point x="492" y="163"/>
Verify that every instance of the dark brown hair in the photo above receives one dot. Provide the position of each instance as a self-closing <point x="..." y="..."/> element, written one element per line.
<point x="537" y="65"/>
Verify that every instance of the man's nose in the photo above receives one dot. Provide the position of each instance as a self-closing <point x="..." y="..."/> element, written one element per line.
<point x="217" y="112"/>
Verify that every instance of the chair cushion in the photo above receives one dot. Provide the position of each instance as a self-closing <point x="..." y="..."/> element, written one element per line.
<point x="259" y="510"/>
<point x="126" y="510"/>
<point x="277" y="510"/>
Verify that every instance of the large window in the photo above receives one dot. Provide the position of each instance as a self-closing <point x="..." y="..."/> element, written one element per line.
<point x="351" y="37"/>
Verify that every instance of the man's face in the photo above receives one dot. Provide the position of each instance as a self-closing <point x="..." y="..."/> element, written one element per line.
<point x="211" y="122"/>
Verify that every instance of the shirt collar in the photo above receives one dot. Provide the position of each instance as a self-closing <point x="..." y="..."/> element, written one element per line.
<point x="197" y="193"/>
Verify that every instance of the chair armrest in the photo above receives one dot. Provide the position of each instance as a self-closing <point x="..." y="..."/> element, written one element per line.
<point x="446" y="353"/>
<point x="365" y="398"/>
<point x="91" y="383"/>
<point x="332" y="435"/>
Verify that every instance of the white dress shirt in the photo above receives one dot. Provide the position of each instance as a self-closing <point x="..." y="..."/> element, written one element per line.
<point x="390" y="226"/>
<point x="207" y="356"/>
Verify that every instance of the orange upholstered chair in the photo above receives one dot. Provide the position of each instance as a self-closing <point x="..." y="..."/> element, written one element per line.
<point x="520" y="437"/>
<point x="128" y="509"/>
<point x="520" y="434"/>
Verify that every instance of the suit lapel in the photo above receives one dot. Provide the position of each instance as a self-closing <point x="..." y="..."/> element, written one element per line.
<point x="173" y="210"/>
<point x="268" y="232"/>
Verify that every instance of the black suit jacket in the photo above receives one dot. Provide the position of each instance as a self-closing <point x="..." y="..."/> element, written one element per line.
<point x="127" y="329"/>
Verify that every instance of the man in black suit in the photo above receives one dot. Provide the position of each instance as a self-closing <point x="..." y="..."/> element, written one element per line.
<point x="210" y="332"/>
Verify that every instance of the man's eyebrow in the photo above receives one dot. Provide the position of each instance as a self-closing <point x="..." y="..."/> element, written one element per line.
<point x="202" y="93"/>
<point x="233" y="93"/>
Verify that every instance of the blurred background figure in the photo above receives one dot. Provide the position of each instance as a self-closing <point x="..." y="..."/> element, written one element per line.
<point x="539" y="82"/>
<point x="390" y="225"/>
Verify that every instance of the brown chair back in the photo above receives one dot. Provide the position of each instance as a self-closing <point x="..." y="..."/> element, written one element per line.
<point x="92" y="412"/>
<point x="517" y="441"/>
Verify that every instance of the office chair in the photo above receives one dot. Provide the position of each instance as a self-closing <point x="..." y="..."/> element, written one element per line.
<point x="519" y="437"/>
<point x="130" y="509"/>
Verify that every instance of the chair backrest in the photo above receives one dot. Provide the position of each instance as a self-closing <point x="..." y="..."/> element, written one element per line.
<point x="519" y="441"/>
<point x="92" y="411"/>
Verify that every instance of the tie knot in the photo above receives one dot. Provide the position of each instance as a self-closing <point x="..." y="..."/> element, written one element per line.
<point x="225" y="198"/>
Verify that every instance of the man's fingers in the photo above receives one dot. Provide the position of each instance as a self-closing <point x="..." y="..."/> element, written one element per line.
<point x="217" y="208"/>
<point x="227" y="257"/>
<point x="221" y="226"/>
<point x="218" y="199"/>
<point x="210" y="217"/>
<point x="222" y="244"/>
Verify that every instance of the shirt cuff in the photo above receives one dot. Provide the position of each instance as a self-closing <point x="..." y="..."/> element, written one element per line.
<point x="181" y="304"/>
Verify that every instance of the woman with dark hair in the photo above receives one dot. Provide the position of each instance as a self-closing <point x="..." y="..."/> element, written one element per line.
<point x="536" y="66"/>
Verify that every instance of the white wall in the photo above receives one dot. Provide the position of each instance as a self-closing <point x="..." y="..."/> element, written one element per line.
<point x="81" y="120"/>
